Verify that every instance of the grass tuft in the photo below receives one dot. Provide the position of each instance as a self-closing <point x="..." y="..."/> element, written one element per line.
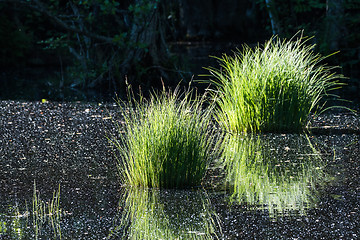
<point x="272" y="88"/>
<point x="166" y="141"/>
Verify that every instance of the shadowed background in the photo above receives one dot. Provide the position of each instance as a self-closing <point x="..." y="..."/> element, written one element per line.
<point x="87" y="50"/>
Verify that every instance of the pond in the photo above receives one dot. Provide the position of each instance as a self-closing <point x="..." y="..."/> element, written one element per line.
<point x="59" y="180"/>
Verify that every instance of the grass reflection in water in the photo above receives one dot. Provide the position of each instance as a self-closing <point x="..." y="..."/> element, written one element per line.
<point x="45" y="216"/>
<point x="277" y="176"/>
<point x="154" y="214"/>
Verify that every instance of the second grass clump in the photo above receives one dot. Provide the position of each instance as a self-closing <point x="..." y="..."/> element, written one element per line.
<point x="271" y="88"/>
<point x="166" y="141"/>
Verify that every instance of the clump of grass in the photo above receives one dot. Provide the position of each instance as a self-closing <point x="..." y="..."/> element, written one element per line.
<point x="272" y="88"/>
<point x="166" y="142"/>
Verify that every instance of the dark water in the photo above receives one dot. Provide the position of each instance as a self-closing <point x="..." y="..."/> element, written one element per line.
<point x="283" y="186"/>
<point x="35" y="84"/>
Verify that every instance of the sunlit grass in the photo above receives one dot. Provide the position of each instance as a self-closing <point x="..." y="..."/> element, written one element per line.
<point x="271" y="88"/>
<point x="165" y="142"/>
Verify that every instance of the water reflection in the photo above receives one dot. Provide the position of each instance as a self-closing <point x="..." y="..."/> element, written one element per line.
<point x="42" y="219"/>
<point x="275" y="173"/>
<point x="11" y="224"/>
<point x="154" y="214"/>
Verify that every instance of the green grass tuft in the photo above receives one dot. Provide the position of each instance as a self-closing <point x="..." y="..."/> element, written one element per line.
<point x="166" y="142"/>
<point x="272" y="88"/>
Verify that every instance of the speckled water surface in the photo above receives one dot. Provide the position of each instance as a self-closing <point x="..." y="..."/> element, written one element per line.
<point x="310" y="189"/>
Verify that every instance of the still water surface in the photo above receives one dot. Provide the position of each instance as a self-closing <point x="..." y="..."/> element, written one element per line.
<point x="272" y="186"/>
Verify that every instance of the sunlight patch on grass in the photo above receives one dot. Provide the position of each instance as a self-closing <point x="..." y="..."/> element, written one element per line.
<point x="271" y="88"/>
<point x="166" y="141"/>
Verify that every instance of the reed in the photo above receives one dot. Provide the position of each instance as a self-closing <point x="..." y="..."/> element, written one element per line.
<point x="271" y="88"/>
<point x="165" y="142"/>
<point x="46" y="211"/>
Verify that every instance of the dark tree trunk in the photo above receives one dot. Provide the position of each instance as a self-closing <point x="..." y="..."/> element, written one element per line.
<point x="197" y="18"/>
<point x="273" y="16"/>
<point x="335" y="26"/>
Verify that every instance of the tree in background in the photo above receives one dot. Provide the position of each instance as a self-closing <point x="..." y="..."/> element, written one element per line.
<point x="105" y="41"/>
<point x="101" y="43"/>
<point x="334" y="23"/>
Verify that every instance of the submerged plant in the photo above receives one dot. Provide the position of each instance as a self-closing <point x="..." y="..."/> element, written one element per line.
<point x="273" y="88"/>
<point x="165" y="141"/>
<point x="46" y="211"/>
<point x="45" y="215"/>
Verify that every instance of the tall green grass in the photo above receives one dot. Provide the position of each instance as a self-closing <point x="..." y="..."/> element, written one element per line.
<point x="271" y="88"/>
<point x="166" y="141"/>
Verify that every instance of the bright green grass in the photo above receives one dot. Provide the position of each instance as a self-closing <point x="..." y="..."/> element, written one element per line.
<point x="272" y="88"/>
<point x="167" y="141"/>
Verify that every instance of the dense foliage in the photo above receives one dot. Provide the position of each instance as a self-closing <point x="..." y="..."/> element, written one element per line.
<point x="98" y="42"/>
<point x="93" y="43"/>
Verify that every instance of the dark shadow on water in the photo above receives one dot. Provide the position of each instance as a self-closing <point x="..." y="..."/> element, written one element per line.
<point x="38" y="84"/>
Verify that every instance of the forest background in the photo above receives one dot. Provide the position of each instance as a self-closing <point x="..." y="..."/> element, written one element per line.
<point x="90" y="49"/>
